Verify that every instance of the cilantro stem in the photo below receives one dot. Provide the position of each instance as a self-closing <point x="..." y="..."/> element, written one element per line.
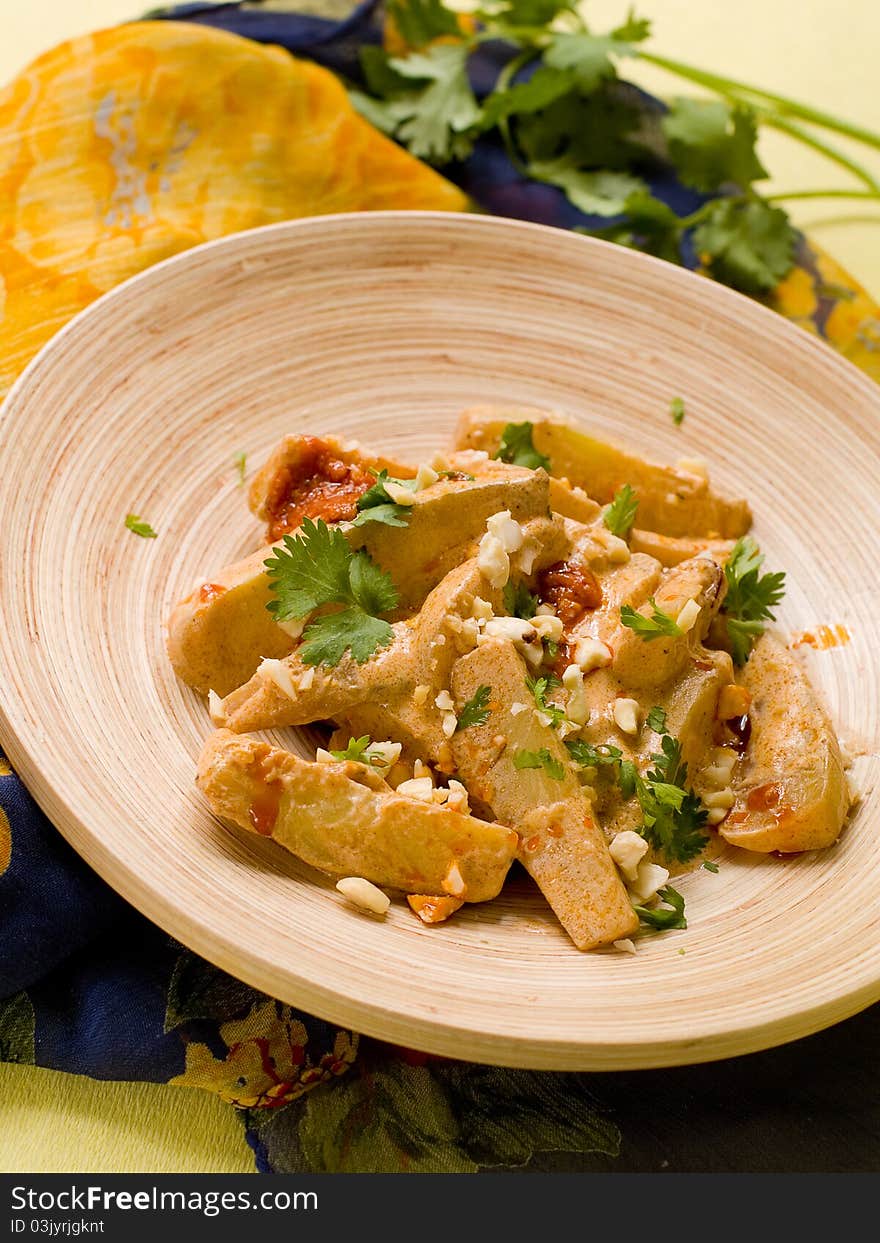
<point x="759" y="98"/>
<point x="810" y="140"/>
<point x="504" y="80"/>
<point x="823" y="194"/>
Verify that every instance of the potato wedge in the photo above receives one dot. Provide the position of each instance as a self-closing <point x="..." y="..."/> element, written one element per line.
<point x="217" y="639"/>
<point x="561" y="845"/>
<point x="671" y="550"/>
<point x="671" y="500"/>
<point x="346" y="821"/>
<point x="790" y="787"/>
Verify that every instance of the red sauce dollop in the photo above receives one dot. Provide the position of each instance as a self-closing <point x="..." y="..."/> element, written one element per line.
<point x="318" y="485"/>
<point x="571" y="589"/>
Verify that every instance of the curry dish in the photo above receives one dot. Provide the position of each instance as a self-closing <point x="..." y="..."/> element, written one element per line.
<point x="537" y="648"/>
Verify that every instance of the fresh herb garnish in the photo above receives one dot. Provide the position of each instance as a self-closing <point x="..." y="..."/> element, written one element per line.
<point x="621" y="513"/>
<point x="318" y="568"/>
<point x="586" y="755"/>
<point x="540" y="759"/>
<point x="673" y="816"/>
<point x="139" y="527"/>
<point x="519" y="601"/>
<point x="356" y="750"/>
<point x="649" y="628"/>
<point x="538" y="688"/>
<point x="517" y="448"/>
<point x="751" y="596"/>
<point x="377" y="506"/>
<point x="657" y="720"/>
<point x="709" y="866"/>
<point x="240" y="464"/>
<point x="676" y="410"/>
<point x="663" y="918"/>
<point x="476" y="710"/>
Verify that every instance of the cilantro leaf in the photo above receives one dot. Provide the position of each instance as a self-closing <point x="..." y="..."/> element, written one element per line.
<point x="672" y="814"/>
<point x="420" y="21"/>
<point x="543" y="88"/>
<point x="663" y="918"/>
<point x="751" y="596"/>
<point x="434" y="119"/>
<point x="709" y="866"/>
<point x="318" y="568"/>
<point x="712" y="144"/>
<point x="240" y="464"/>
<point x="748" y="245"/>
<point x="139" y="527"/>
<point x="621" y="513"/>
<point x="518" y="449"/>
<point x="519" y="601"/>
<point x="327" y="638"/>
<point x="540" y="759"/>
<point x="588" y="56"/>
<point x="586" y="755"/>
<point x="377" y="506"/>
<point x="355" y="750"/>
<point x="676" y="410"/>
<point x="538" y="688"/>
<point x="597" y="193"/>
<point x="535" y="12"/>
<point x="628" y="778"/>
<point x="657" y="720"/>
<point x="634" y="29"/>
<point x="649" y="628"/>
<point x="476" y="710"/>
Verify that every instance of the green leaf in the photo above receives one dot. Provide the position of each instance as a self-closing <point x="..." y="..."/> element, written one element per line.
<point x="372" y="588"/>
<point x="540" y="759"/>
<point x="749" y="246"/>
<point x="663" y="918"/>
<point x="586" y="755"/>
<point x="649" y="628"/>
<point x="17" y="1030"/>
<point x="517" y="448"/>
<point x="439" y="114"/>
<point x="676" y="410"/>
<point x="310" y="569"/>
<point x="751" y="596"/>
<point x="712" y="144"/>
<point x="634" y="30"/>
<point x="392" y="515"/>
<point x="543" y="88"/>
<point x="535" y="12"/>
<point x="421" y="21"/>
<point x="355" y="750"/>
<point x="657" y="720"/>
<point x="475" y="711"/>
<point x="709" y="866"/>
<point x="328" y="638"/>
<point x="139" y="527"/>
<point x="621" y="513"/>
<point x="600" y="193"/>
<point x="588" y="56"/>
<point x="519" y="601"/>
<point x="538" y="688"/>
<point x="628" y="778"/>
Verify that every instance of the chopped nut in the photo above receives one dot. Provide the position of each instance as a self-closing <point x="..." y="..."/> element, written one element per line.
<point x="453" y="881"/>
<point x="305" y="682"/>
<point x="506" y="530"/>
<point x="628" y="946"/>
<point x="577" y="709"/>
<point x="626" y="715"/>
<point x="649" y="878"/>
<point x="420" y="694"/>
<point x="527" y="555"/>
<point x="458" y="797"/>
<point x="517" y="707"/>
<point x="688" y="616"/>
<point x="482" y="610"/>
<point x="425" y="476"/>
<point x="449" y="724"/>
<point x="323" y="756"/>
<point x="627" y="849"/>
<point x="215" y="708"/>
<point x="719" y="798"/>
<point x="733" y="701"/>
<point x="444" y="702"/>
<point x="276" y="671"/>
<point x="591" y="654"/>
<point x="382" y="756"/>
<point x="548" y="627"/>
<point x="362" y="893"/>
<point x="417" y="787"/>
<point x="433" y="910"/>
<point x="440" y="795"/>
<point x="493" y="561"/>
<point x="422" y="770"/>
<point x="440" y="462"/>
<point x="717" y="814"/>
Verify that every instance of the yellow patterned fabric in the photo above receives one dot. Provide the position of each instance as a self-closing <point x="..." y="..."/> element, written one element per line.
<point x="129" y="145"/>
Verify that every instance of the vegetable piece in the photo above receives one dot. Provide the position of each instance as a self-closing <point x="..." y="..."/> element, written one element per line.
<point x="345" y="820"/>
<point x="517" y="448"/>
<point x="790" y="785"/>
<point x="476" y="710"/>
<point x="671" y="500"/>
<point x="621" y="513"/>
<point x="671" y="550"/>
<point x="216" y="642"/>
<point x="751" y="597"/>
<point x="651" y="626"/>
<point x="663" y="918"/>
<point x="138" y="527"/>
<point x="561" y="844"/>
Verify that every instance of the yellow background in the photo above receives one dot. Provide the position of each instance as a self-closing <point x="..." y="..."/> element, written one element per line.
<point x="819" y="51"/>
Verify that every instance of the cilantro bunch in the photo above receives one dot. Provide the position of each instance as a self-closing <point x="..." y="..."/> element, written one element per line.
<point x="560" y="111"/>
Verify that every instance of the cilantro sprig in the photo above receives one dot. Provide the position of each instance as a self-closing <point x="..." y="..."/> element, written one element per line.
<point x="517" y="447"/>
<point x="376" y="505"/>
<point x="649" y="628"/>
<point x="317" y="568"/>
<point x="356" y="750"/>
<point x="519" y="601"/>
<point x="476" y="710"/>
<point x="751" y="597"/>
<point x="663" y="918"/>
<point x="540" y="759"/>
<point x="621" y="513"/>
<point x="588" y="755"/>
<point x="673" y="817"/>
<point x="557" y="108"/>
